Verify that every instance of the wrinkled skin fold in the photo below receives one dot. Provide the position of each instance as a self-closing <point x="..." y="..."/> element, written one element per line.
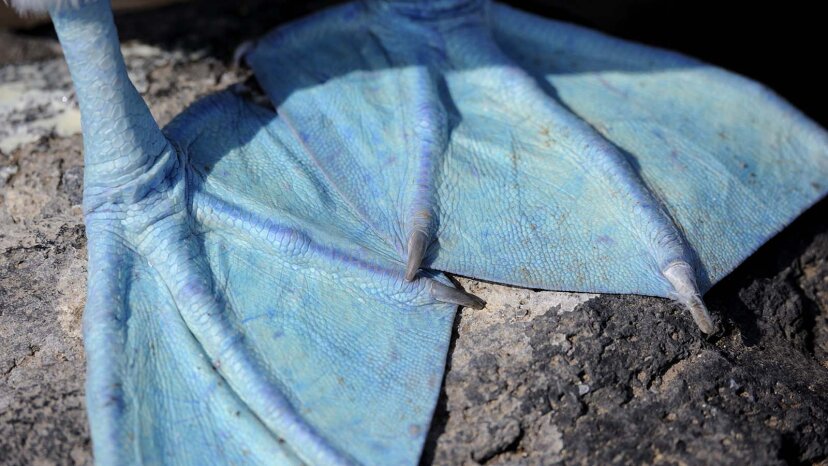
<point x="266" y="287"/>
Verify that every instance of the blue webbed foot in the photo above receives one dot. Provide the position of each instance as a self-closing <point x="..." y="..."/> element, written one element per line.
<point x="266" y="286"/>
<point x="240" y="310"/>
<point x="485" y="142"/>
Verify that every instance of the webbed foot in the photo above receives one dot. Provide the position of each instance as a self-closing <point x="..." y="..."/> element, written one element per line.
<point x="473" y="147"/>
<point x="228" y="321"/>
<point x="256" y="284"/>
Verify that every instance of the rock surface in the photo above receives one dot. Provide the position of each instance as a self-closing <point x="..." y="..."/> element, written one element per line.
<point x="534" y="378"/>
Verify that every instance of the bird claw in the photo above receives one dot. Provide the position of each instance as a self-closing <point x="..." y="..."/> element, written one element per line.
<point x="682" y="277"/>
<point x="451" y="295"/>
<point x="417" y="244"/>
<point x="240" y="53"/>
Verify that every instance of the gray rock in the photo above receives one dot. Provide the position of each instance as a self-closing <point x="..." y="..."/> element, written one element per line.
<point x="534" y="378"/>
<point x="626" y="379"/>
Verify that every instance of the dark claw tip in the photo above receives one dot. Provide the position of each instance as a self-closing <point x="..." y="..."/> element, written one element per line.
<point x="702" y="317"/>
<point x="417" y="243"/>
<point x="477" y="302"/>
<point x="449" y="294"/>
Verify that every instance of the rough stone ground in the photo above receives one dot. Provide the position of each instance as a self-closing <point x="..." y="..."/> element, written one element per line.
<point x="534" y="378"/>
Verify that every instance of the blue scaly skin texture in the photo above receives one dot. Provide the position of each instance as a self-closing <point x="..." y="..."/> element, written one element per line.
<point x="266" y="287"/>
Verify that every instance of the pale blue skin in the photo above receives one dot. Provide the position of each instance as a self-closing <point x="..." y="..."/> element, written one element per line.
<point x="247" y="293"/>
